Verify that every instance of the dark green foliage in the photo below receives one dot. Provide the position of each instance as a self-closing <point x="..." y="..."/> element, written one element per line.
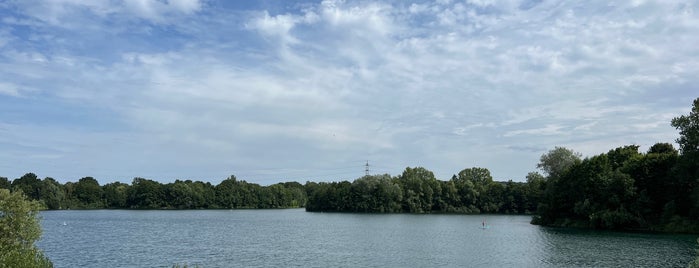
<point x="375" y="194"/>
<point x="687" y="170"/>
<point x="5" y="183"/>
<point x="88" y="192"/>
<point x="116" y="195"/>
<point x="688" y="125"/>
<point x="233" y="193"/>
<point x="620" y="189"/>
<point x="594" y="193"/>
<point x="146" y="194"/>
<point x="557" y="161"/>
<point x="52" y="194"/>
<point x="416" y="190"/>
<point x="29" y="184"/>
<point x="326" y="196"/>
<point x="419" y="186"/>
<point x="625" y="189"/>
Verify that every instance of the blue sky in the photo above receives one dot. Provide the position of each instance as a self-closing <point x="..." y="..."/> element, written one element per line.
<point x="275" y="91"/>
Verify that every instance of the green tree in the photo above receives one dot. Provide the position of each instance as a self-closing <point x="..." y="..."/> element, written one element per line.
<point x="419" y="186"/>
<point x="688" y="125"/>
<point x="228" y="193"/>
<point x="555" y="162"/>
<point x="536" y="184"/>
<point x="88" y="191"/>
<point x="29" y="184"/>
<point x="451" y="198"/>
<point x="115" y="194"/>
<point x="146" y="194"/>
<point x="5" y="183"/>
<point x="297" y="192"/>
<point x="475" y="182"/>
<point x="19" y="230"/>
<point x="52" y="193"/>
<point x="376" y="193"/>
<point x="687" y="176"/>
<point x="593" y="193"/>
<point x="180" y="195"/>
<point x="203" y="194"/>
<point x="655" y="183"/>
<point x="466" y="196"/>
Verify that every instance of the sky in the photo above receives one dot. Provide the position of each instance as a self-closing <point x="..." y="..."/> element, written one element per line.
<point x="273" y="91"/>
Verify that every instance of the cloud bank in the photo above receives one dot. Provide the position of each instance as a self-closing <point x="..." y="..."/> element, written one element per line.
<point x="312" y="90"/>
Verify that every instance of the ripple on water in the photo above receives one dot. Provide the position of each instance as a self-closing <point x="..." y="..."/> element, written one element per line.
<point x="294" y="238"/>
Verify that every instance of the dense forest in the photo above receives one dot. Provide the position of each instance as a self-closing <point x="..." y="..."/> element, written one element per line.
<point x="150" y="194"/>
<point x="620" y="189"/>
<point x="625" y="189"/>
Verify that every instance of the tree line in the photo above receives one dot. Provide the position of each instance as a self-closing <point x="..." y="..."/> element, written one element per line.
<point x="417" y="190"/>
<point x="620" y="189"/>
<point x="143" y="193"/>
<point x="625" y="189"/>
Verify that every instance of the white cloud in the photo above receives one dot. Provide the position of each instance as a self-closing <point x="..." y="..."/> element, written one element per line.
<point x="9" y="89"/>
<point x="450" y="84"/>
<point x="548" y="130"/>
<point x="75" y="13"/>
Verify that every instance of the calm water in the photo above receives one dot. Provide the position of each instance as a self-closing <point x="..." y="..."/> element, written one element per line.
<point x="286" y="238"/>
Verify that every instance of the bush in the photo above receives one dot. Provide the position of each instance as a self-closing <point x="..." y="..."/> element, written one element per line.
<point x="19" y="229"/>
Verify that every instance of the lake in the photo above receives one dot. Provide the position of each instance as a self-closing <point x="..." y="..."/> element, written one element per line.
<point x="295" y="238"/>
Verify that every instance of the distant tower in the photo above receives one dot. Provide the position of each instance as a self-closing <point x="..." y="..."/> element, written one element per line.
<point x="366" y="168"/>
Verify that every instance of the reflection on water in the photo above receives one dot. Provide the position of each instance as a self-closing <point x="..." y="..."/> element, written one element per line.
<point x="589" y="248"/>
<point x="256" y="238"/>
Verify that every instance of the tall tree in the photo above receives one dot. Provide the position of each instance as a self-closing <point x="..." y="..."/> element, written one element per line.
<point x="146" y="194"/>
<point x="688" y="125"/>
<point x="475" y="183"/>
<point x="228" y="193"/>
<point x="115" y="194"/>
<point x="52" y="193"/>
<point x="419" y="185"/>
<point x="555" y="162"/>
<point x="687" y="177"/>
<point x="88" y="192"/>
<point x="29" y="184"/>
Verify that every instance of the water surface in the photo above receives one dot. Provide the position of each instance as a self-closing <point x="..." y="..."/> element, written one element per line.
<point x="295" y="238"/>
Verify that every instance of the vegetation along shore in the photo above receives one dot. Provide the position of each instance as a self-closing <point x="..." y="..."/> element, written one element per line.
<point x="620" y="189"/>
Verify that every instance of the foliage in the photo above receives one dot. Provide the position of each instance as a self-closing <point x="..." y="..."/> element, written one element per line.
<point x="116" y="195"/>
<point x="52" y="193"/>
<point x="625" y="189"/>
<point x="89" y="192"/>
<point x="19" y="229"/>
<point x="149" y="194"/>
<point x="555" y="162"/>
<point x="688" y="125"/>
<point x="29" y="184"/>
<point x="416" y="190"/>
<point x="620" y="189"/>
<point x="5" y="183"/>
